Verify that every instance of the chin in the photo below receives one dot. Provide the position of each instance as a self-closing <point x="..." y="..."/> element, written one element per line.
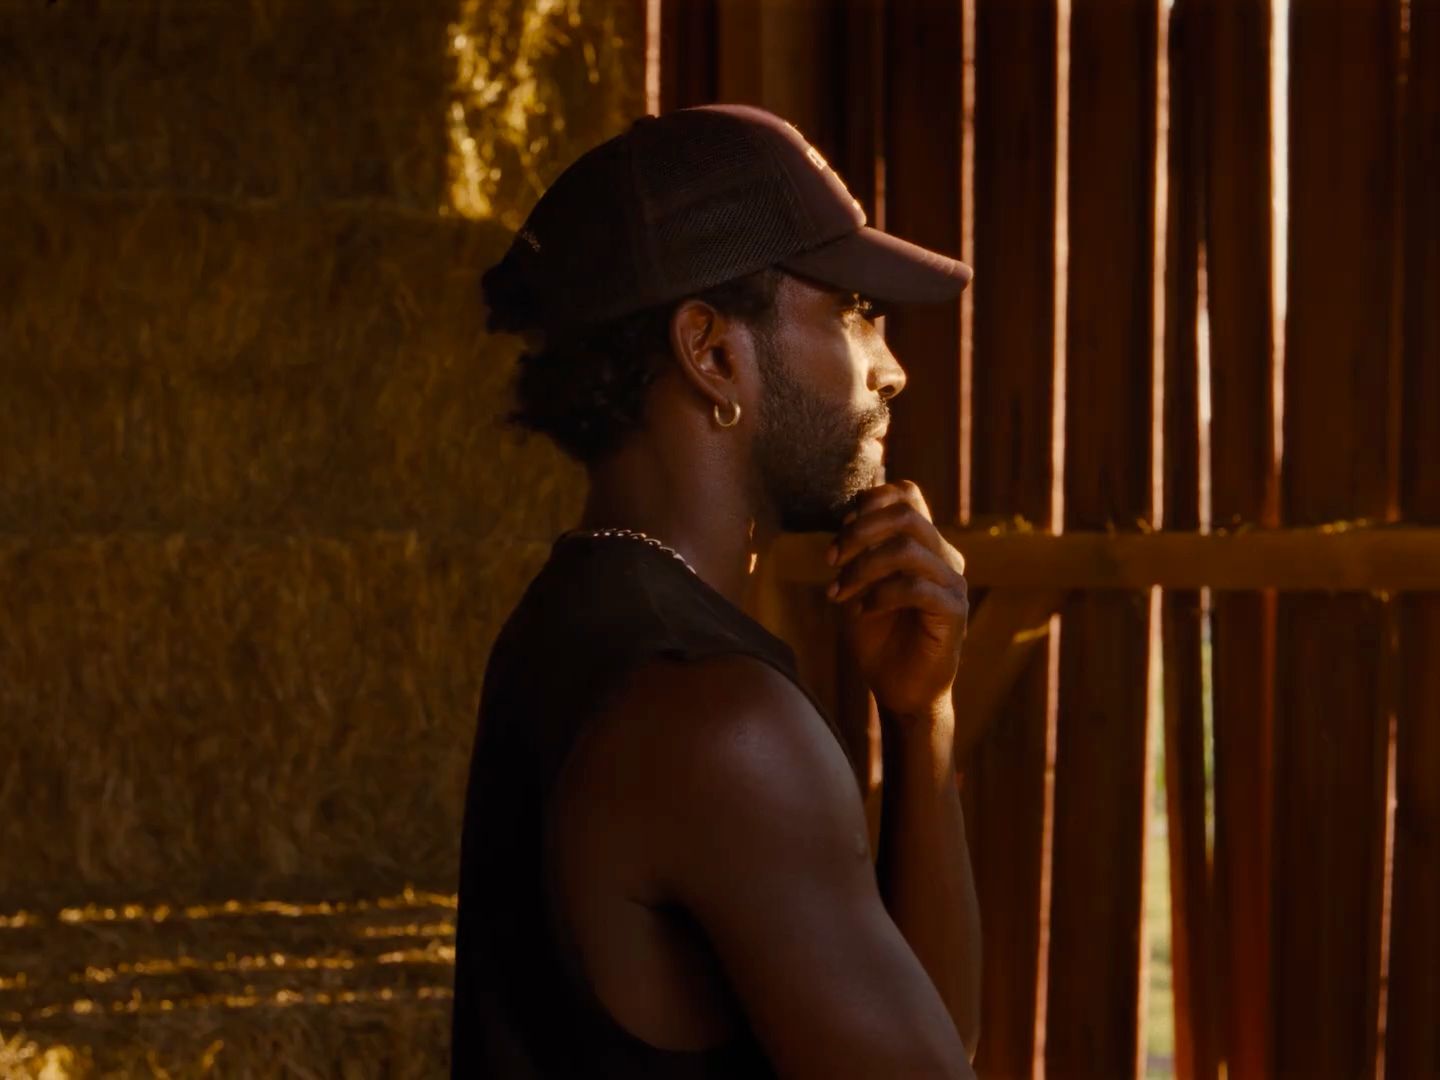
<point x="822" y="507"/>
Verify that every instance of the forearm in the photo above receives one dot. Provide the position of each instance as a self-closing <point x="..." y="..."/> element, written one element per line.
<point x="924" y="860"/>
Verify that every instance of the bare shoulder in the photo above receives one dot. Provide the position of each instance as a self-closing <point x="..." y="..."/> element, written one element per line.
<point x="731" y="740"/>
<point x="749" y="817"/>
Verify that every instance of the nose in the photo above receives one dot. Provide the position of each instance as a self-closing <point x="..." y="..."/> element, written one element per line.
<point x="887" y="377"/>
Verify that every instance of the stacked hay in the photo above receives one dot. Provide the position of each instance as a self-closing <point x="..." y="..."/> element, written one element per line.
<point x="259" y="522"/>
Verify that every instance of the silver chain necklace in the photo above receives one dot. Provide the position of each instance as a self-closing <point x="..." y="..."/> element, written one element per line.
<point x="631" y="534"/>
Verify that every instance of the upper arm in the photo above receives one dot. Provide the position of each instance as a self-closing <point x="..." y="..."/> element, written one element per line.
<point x="756" y="826"/>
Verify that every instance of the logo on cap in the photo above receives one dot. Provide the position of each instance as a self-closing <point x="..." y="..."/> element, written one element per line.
<point x="818" y="160"/>
<point x="814" y="155"/>
<point x="531" y="239"/>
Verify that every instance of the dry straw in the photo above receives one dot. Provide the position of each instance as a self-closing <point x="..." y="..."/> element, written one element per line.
<point x="258" y="521"/>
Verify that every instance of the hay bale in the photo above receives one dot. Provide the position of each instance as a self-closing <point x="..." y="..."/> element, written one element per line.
<point x="258" y="522"/>
<point x="316" y="989"/>
<point x="464" y="106"/>
<point x="300" y="102"/>
<point x="227" y="715"/>
<point x="276" y="369"/>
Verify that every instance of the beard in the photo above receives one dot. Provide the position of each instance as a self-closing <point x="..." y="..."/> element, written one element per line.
<point x="810" y="457"/>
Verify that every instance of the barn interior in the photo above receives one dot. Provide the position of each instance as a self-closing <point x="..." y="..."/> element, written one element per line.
<point x="261" y="514"/>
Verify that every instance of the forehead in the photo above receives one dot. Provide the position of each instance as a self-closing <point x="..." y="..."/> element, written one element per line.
<point x="799" y="297"/>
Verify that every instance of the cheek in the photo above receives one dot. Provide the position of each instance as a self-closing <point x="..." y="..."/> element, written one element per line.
<point x="831" y="365"/>
<point x="850" y="367"/>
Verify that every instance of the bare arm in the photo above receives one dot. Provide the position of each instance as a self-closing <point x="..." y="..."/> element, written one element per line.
<point x="906" y="605"/>
<point x="758" y="830"/>
<point x="924" y="865"/>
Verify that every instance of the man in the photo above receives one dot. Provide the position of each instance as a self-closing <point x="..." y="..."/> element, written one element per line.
<point x="665" y="865"/>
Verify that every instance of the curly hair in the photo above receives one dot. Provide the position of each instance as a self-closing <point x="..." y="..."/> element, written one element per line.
<point x="586" y="389"/>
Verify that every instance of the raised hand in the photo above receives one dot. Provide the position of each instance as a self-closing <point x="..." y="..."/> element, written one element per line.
<point x="904" y="596"/>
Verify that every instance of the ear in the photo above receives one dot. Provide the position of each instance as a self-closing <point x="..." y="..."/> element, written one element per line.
<point x="711" y="350"/>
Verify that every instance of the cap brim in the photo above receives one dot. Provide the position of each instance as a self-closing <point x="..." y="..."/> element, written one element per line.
<point x="883" y="267"/>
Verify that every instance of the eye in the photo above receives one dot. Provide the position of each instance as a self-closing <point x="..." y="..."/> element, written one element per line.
<point x="863" y="307"/>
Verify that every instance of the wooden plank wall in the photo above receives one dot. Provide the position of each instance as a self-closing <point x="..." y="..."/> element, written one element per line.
<point x="1276" y="933"/>
<point x="1412" y="1030"/>
<point x="1182" y="611"/>
<point x="923" y="129"/>
<point x="1331" y="726"/>
<point x="1234" y="38"/>
<point x="1014" y="349"/>
<point x="1099" y="819"/>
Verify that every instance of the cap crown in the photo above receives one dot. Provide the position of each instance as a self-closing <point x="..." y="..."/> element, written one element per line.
<point x="672" y="206"/>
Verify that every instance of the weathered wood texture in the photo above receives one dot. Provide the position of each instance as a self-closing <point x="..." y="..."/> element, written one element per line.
<point x="687" y="53"/>
<point x="923" y="128"/>
<point x="1182" y="612"/>
<point x="1091" y="1015"/>
<point x="1235" y="163"/>
<point x="1011" y="403"/>
<point x="1399" y="558"/>
<point x="1331" y="725"/>
<point x="1276" y="945"/>
<point x="1412" y="1030"/>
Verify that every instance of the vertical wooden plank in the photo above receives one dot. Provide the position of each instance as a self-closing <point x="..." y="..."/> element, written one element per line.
<point x="1237" y="231"/>
<point x="857" y="89"/>
<point x="1413" y="1025"/>
<point x="923" y="126"/>
<point x="1181" y="614"/>
<point x="1012" y="406"/>
<point x="1331" y="729"/>
<point x="1100" y="765"/>
<point x="687" y="53"/>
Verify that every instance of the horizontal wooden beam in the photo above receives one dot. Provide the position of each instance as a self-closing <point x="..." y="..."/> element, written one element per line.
<point x="1005" y="629"/>
<point x="1332" y="558"/>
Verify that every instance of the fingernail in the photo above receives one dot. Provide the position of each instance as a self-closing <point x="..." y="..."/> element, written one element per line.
<point x="833" y="589"/>
<point x="831" y="555"/>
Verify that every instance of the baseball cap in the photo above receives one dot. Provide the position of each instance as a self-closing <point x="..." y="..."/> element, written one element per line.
<point x="680" y="202"/>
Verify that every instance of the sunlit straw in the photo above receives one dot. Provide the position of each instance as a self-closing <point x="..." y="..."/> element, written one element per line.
<point x="1279" y="215"/>
<point x="652" y="57"/>
<point x="967" y="256"/>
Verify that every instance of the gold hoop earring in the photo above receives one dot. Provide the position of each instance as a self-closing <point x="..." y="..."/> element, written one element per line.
<point x="734" y="419"/>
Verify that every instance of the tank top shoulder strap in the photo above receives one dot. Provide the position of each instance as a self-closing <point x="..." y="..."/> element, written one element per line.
<point x="631" y="603"/>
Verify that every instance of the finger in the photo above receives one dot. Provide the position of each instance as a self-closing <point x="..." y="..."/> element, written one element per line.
<point x="902" y="592"/>
<point x="877" y="498"/>
<point x="898" y="554"/>
<point x="870" y="530"/>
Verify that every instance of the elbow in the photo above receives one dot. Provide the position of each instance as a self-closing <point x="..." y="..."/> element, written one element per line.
<point x="970" y="1036"/>
<point x="967" y="1021"/>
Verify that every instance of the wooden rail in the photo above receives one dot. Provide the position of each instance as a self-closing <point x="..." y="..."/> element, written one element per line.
<point x="1334" y="558"/>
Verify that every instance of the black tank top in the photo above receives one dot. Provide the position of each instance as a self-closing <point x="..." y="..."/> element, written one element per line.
<point x="599" y="608"/>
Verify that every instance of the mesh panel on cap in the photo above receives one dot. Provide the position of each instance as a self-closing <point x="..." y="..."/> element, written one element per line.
<point x="685" y="170"/>
<point x="718" y="203"/>
<point x="705" y="243"/>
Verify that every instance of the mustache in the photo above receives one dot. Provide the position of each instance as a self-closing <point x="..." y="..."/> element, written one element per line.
<point x="874" y="421"/>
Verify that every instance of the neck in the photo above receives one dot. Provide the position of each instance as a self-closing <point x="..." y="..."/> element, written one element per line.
<point x="712" y="523"/>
